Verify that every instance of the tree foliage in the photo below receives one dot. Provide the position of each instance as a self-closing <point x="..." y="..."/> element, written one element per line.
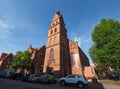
<point x="22" y="60"/>
<point x="106" y="47"/>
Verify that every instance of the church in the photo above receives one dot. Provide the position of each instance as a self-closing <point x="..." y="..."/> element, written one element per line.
<point x="60" y="56"/>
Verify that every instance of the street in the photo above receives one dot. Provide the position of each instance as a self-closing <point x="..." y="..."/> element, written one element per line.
<point x="17" y="84"/>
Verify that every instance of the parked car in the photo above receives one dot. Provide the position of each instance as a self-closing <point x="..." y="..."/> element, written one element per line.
<point x="9" y="74"/>
<point x="47" y="79"/>
<point x="16" y="75"/>
<point x="77" y="79"/>
<point x="34" y="78"/>
<point x="3" y="73"/>
<point x="114" y="76"/>
<point x="25" y="77"/>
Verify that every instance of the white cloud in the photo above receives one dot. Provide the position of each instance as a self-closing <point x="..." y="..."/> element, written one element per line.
<point x="5" y="29"/>
<point x="5" y="25"/>
<point x="81" y="39"/>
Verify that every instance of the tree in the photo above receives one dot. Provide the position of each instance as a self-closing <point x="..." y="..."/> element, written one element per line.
<point x="22" y="60"/>
<point x="106" y="47"/>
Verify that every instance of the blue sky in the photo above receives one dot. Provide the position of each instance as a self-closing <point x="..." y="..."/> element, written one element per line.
<point x="25" y="22"/>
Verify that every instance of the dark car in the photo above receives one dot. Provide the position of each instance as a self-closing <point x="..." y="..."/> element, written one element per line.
<point x="16" y="75"/>
<point x="25" y="77"/>
<point x="9" y="75"/>
<point x="47" y="79"/>
<point x="3" y="73"/>
<point x="114" y="76"/>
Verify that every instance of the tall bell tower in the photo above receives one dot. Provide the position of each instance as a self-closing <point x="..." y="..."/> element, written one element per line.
<point x="57" y="56"/>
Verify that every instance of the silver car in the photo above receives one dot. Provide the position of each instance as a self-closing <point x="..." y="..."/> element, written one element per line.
<point x="74" y="79"/>
<point x="34" y="78"/>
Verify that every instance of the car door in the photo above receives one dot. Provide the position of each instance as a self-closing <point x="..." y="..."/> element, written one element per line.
<point x="70" y="79"/>
<point x="76" y="79"/>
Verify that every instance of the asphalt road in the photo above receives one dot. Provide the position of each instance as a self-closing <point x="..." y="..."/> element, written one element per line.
<point x="17" y="84"/>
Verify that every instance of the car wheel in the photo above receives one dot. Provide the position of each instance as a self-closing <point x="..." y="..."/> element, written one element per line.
<point x="62" y="83"/>
<point x="80" y="85"/>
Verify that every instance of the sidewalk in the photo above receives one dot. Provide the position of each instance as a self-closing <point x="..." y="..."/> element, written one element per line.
<point x="105" y="84"/>
<point x="107" y="81"/>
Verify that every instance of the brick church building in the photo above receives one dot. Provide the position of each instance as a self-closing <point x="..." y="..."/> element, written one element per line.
<point x="61" y="56"/>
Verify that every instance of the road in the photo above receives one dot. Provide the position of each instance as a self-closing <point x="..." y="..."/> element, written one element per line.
<point x="17" y="84"/>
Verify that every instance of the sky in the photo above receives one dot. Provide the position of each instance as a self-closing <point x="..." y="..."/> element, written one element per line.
<point x="25" y="22"/>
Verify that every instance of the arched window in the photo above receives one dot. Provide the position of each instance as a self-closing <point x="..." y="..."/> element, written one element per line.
<point x="55" y="30"/>
<point x="52" y="54"/>
<point x="56" y="22"/>
<point x="51" y="32"/>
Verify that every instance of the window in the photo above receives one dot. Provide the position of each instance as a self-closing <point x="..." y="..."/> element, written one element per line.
<point x="41" y="53"/>
<point x="71" y="76"/>
<point x="8" y="62"/>
<point x="53" y="24"/>
<point x="56" y="22"/>
<point x="55" y="30"/>
<point x="51" y="32"/>
<point x="52" y="54"/>
<point x="77" y="76"/>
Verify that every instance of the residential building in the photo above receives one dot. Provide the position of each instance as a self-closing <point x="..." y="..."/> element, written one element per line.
<point x="38" y="55"/>
<point x="5" y="61"/>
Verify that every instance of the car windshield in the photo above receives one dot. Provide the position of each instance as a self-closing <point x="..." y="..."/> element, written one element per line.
<point x="73" y="76"/>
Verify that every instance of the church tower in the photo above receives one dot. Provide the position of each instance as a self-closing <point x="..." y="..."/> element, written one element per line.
<point x="57" y="57"/>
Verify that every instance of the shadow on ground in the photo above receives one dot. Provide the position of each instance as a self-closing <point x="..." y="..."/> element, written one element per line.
<point x="89" y="86"/>
<point x="95" y="86"/>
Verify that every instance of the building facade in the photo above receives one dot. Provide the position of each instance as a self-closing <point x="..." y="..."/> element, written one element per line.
<point x="59" y="57"/>
<point x="37" y="58"/>
<point x="62" y="56"/>
<point x="6" y="61"/>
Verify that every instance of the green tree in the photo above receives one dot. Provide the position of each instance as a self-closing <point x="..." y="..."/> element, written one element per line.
<point x="22" y="60"/>
<point x="106" y="47"/>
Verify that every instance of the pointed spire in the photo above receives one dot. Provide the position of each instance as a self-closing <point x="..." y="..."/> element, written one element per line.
<point x="58" y="18"/>
<point x="58" y="12"/>
<point x="57" y="15"/>
<point x="58" y="9"/>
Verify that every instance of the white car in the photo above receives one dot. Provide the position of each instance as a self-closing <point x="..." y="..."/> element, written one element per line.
<point x="74" y="79"/>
